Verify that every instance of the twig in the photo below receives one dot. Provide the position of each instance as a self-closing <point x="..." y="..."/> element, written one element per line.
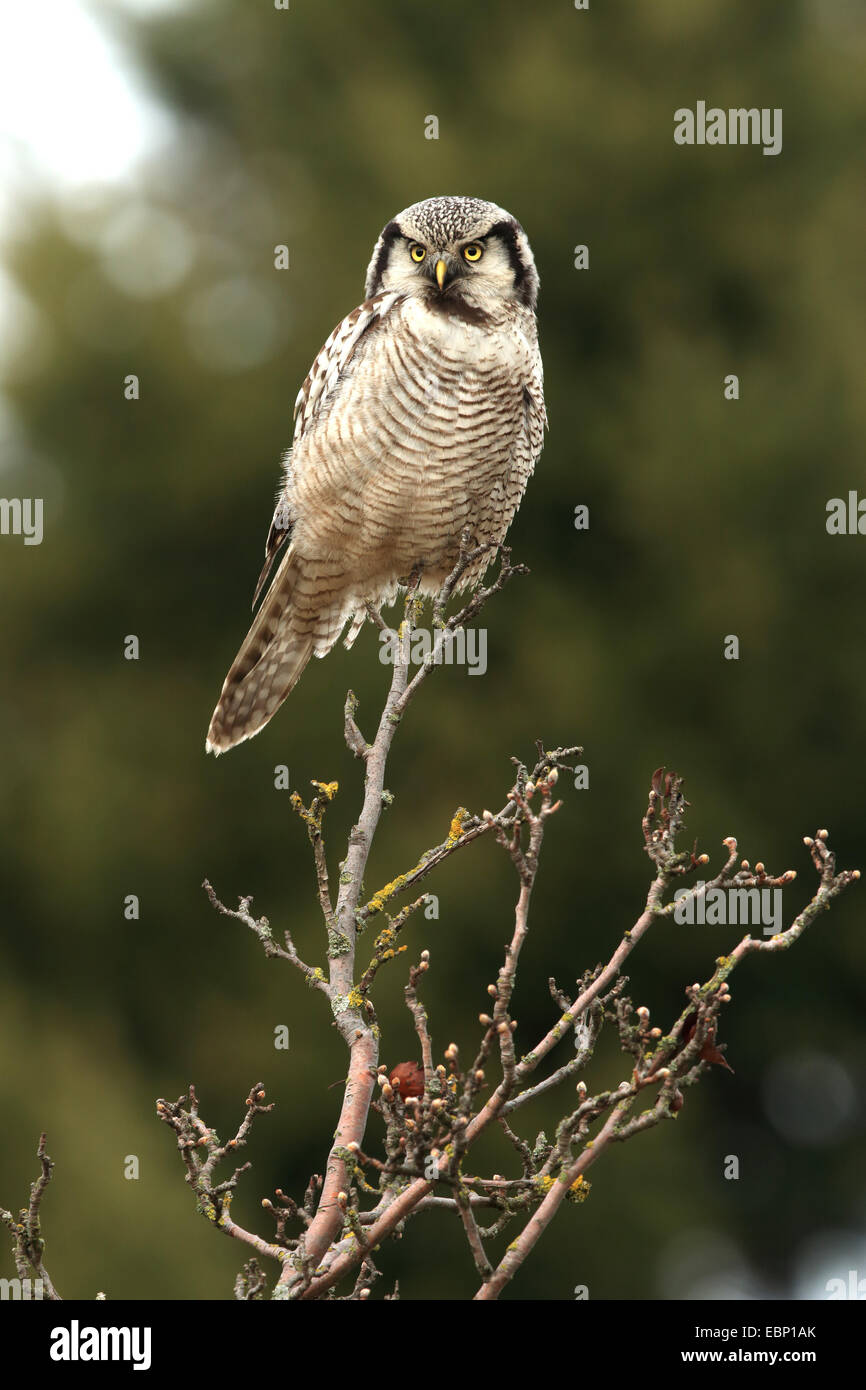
<point x="27" y="1230"/>
<point x="214" y="1200"/>
<point x="262" y="929"/>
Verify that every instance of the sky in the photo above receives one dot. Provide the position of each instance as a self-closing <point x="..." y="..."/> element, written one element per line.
<point x="74" y="115"/>
<point x="72" y="110"/>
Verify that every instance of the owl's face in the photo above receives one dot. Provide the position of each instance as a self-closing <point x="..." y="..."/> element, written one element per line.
<point x="461" y="254"/>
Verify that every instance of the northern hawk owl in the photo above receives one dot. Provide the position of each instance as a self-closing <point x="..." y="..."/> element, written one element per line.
<point x="422" y="415"/>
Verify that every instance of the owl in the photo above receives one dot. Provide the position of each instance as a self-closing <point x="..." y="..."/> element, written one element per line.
<point x="422" y="415"/>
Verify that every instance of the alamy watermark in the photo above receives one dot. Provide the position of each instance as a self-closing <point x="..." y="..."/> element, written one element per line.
<point x="854" y="1287"/>
<point x="22" y="1290"/>
<point x="22" y="516"/>
<point x="724" y="907"/>
<point x="738" y="125"/>
<point x="77" y="1343"/>
<point x="465" y="647"/>
<point x="846" y="516"/>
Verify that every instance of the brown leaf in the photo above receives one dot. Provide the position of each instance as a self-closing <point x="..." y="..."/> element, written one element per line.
<point x="408" y="1079"/>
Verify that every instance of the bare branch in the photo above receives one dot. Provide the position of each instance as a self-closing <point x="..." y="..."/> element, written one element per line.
<point x="214" y="1200"/>
<point x="27" y="1230"/>
<point x="262" y="929"/>
<point x="434" y="1113"/>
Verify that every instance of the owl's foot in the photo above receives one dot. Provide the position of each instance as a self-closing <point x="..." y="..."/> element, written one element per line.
<point x="412" y="581"/>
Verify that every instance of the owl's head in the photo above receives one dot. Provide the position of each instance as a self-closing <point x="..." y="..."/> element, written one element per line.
<point x="460" y="252"/>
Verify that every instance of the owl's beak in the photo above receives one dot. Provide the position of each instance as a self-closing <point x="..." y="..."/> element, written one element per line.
<point x="441" y="273"/>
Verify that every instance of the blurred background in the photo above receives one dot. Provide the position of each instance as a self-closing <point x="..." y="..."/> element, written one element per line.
<point x="154" y="156"/>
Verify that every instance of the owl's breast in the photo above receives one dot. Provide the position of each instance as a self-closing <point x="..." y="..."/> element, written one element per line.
<point x="420" y="439"/>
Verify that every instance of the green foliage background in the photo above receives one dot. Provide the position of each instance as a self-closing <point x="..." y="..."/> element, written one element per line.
<point x="306" y="127"/>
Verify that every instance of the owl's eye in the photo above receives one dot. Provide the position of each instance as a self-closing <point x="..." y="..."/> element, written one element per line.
<point x="473" y="252"/>
<point x="417" y="252"/>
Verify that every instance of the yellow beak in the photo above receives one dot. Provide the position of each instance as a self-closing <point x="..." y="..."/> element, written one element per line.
<point x="441" y="272"/>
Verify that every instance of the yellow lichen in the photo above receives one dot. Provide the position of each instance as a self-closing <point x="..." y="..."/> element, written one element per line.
<point x="327" y="789"/>
<point x="378" y="900"/>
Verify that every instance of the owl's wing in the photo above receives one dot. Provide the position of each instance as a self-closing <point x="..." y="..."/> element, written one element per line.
<point x="281" y="530"/>
<point x="531" y="439"/>
<point x="322" y="380"/>
<point x="335" y="356"/>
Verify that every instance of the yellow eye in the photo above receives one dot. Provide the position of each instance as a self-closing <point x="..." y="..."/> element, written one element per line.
<point x="473" y="252"/>
<point x="417" y="253"/>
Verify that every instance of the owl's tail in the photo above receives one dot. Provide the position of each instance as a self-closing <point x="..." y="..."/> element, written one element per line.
<point x="269" y="664"/>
